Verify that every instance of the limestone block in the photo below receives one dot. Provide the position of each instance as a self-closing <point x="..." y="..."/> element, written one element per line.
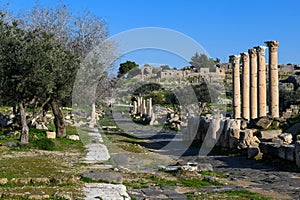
<point x="246" y="138"/>
<point x="287" y="152"/>
<point x="287" y="138"/>
<point x="50" y="134"/>
<point x="294" y="130"/>
<point x="73" y="137"/>
<point x="234" y="138"/>
<point x="253" y="151"/>
<point x="264" y="122"/>
<point x="3" y="181"/>
<point x="269" y="134"/>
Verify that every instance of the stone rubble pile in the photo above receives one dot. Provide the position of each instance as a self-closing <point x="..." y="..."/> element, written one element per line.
<point x="231" y="133"/>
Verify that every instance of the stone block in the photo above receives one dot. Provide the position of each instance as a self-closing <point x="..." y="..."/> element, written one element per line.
<point x="3" y="181"/>
<point x="269" y="134"/>
<point x="287" y="138"/>
<point x="264" y="123"/>
<point x="40" y="180"/>
<point x="73" y="137"/>
<point x="234" y="138"/>
<point x="252" y="151"/>
<point x="246" y="138"/>
<point x="294" y="130"/>
<point x="50" y="134"/>
<point x="22" y="181"/>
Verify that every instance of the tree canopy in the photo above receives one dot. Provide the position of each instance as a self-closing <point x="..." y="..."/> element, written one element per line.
<point x="202" y="61"/>
<point x="127" y="67"/>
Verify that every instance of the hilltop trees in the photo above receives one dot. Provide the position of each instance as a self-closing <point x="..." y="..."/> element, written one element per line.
<point x="127" y="67"/>
<point x="201" y="61"/>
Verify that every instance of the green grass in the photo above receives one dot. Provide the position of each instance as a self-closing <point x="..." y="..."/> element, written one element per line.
<point x="232" y="195"/>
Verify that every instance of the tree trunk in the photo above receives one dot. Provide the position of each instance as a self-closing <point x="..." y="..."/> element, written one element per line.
<point x="59" y="120"/>
<point x="24" y="138"/>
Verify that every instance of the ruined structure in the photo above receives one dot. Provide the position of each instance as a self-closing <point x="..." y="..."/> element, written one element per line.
<point x="273" y="78"/>
<point x="235" y="60"/>
<point x="262" y="81"/>
<point x="254" y="83"/>
<point x="245" y="86"/>
<point x="142" y="106"/>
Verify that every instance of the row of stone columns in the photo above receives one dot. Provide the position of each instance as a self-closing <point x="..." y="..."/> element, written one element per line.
<point x="142" y="106"/>
<point x="254" y="82"/>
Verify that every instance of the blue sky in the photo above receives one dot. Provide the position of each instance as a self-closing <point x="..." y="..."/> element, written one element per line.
<point x="221" y="27"/>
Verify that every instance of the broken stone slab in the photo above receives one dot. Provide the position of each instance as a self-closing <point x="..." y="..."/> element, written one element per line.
<point x="96" y="153"/>
<point x="286" y="152"/>
<point x="190" y="167"/>
<point x="205" y="167"/>
<point x="169" y="168"/>
<point x="3" y="181"/>
<point x="287" y="138"/>
<point x="73" y="137"/>
<point x="50" y="134"/>
<point x="277" y="141"/>
<point x="105" y="191"/>
<point x="294" y="130"/>
<point x="269" y="134"/>
<point x="246" y="138"/>
<point x="252" y="151"/>
<point x="110" y="177"/>
<point x="234" y="138"/>
<point x="264" y="123"/>
<point x="269" y="149"/>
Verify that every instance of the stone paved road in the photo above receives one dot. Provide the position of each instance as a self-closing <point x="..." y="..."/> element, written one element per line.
<point x="240" y="169"/>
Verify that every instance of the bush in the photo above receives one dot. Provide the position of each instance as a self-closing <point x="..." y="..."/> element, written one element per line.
<point x="45" y="144"/>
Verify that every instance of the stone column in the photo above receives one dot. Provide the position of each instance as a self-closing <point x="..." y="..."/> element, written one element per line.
<point x="253" y="83"/>
<point x="139" y="103"/>
<point x="273" y="78"/>
<point x="262" y="81"/>
<point x="235" y="61"/>
<point x="135" y="108"/>
<point x="149" y="106"/>
<point x="245" y="86"/>
<point x="143" y="107"/>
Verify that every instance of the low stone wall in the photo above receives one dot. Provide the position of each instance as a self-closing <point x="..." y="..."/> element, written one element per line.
<point x="234" y="134"/>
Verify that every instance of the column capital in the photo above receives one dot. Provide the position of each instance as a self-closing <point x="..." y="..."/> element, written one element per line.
<point x="234" y="58"/>
<point x="245" y="57"/>
<point x="261" y="50"/>
<point x="273" y="45"/>
<point x="252" y="53"/>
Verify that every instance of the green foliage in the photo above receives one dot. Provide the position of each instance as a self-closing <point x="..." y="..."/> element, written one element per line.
<point x="126" y="67"/>
<point x="202" y="61"/>
<point x="165" y="67"/>
<point x="45" y="144"/>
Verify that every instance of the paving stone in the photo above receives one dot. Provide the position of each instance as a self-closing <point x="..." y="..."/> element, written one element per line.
<point x="111" y="177"/>
<point x="96" y="191"/>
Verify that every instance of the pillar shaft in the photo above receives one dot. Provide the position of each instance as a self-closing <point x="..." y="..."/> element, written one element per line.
<point x="273" y="78"/>
<point x="262" y="81"/>
<point x="253" y="83"/>
<point x="245" y="86"/>
<point x="235" y="60"/>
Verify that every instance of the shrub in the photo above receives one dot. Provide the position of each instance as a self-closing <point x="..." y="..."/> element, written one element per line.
<point x="45" y="144"/>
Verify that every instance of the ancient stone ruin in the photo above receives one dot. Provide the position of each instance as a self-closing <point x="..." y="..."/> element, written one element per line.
<point x="255" y="126"/>
<point x="254" y="83"/>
